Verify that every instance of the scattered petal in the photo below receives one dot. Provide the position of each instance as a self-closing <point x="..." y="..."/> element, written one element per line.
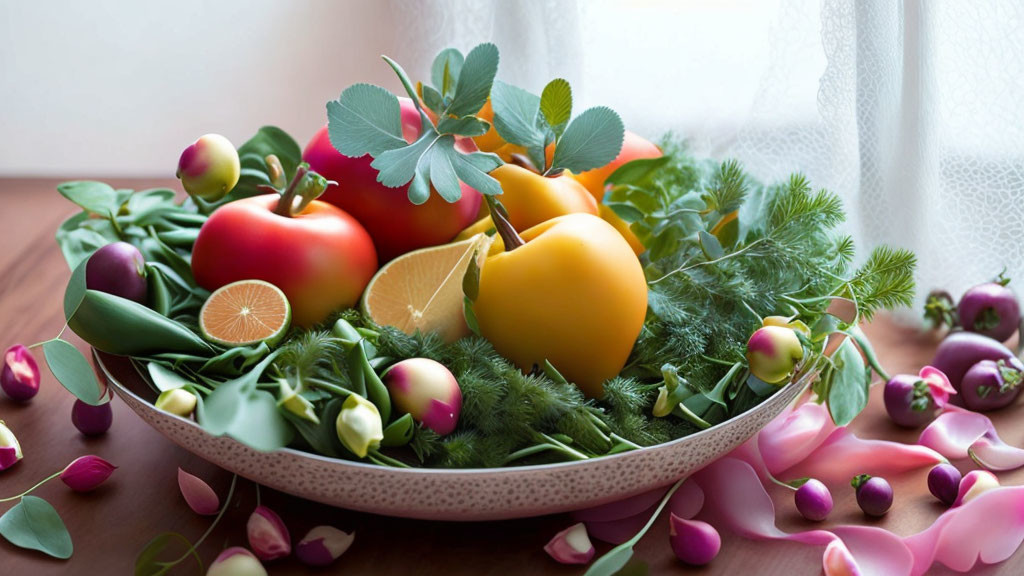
<point x="323" y="545"/>
<point x="974" y="484"/>
<point x="790" y="438"/>
<point x="10" y="449"/>
<point x="694" y="542"/>
<point x="991" y="452"/>
<point x="19" y="377"/>
<point x="953" y="432"/>
<point x="86" y="473"/>
<point x="938" y="384"/>
<point x="236" y="561"/>
<point x="618" y="531"/>
<point x="621" y="508"/>
<point x="198" y="494"/>
<point x="876" y="551"/>
<point x="571" y="546"/>
<point x="268" y="536"/>
<point x="843" y="455"/>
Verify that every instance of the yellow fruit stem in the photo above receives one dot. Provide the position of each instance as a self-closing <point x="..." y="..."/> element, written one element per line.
<point x="499" y="216"/>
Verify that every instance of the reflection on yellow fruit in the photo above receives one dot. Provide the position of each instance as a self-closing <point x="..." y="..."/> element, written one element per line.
<point x="623" y="228"/>
<point x="574" y="294"/>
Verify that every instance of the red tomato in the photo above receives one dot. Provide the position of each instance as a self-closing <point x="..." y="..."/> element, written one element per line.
<point x="396" y="224"/>
<point x="321" y="258"/>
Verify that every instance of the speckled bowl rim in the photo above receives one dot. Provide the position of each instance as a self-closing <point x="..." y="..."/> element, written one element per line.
<point x="802" y="379"/>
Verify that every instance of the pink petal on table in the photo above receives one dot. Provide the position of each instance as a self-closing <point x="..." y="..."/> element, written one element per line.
<point x="620" y="508"/>
<point x="688" y="500"/>
<point x="619" y="521"/>
<point x="991" y="452"/>
<point x="953" y="432"/>
<point x="844" y="455"/>
<point x="792" y="436"/>
<point x="974" y="484"/>
<point x="875" y="550"/>
<point x="618" y="531"/>
<point x="571" y="546"/>
<point x="198" y="494"/>
<point x="987" y="529"/>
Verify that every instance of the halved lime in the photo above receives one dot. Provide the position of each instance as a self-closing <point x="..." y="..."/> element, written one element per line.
<point x="245" y="312"/>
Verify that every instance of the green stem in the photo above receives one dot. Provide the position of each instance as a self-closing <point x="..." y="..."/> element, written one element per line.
<point x="499" y="216"/>
<point x="706" y="262"/>
<point x="565" y="449"/>
<point x="37" y="485"/>
<point x="287" y="201"/>
<point x="378" y="458"/>
<point x="318" y="383"/>
<point x="220" y="514"/>
<point x="625" y="441"/>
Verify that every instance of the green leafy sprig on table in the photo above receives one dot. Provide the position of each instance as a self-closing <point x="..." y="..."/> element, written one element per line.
<point x="366" y="119"/>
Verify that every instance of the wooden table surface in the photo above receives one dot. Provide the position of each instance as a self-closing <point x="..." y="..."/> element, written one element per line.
<point x="141" y="500"/>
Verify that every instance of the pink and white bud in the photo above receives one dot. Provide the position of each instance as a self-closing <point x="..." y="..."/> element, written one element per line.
<point x="694" y="542"/>
<point x="87" y="473"/>
<point x="268" y="536"/>
<point x="427" y="390"/>
<point x="198" y="494"/>
<point x="10" y="449"/>
<point x="773" y="352"/>
<point x="20" y="376"/>
<point x="975" y="483"/>
<point x="571" y="546"/>
<point x="236" y="561"/>
<point x="323" y="545"/>
<point x="209" y="168"/>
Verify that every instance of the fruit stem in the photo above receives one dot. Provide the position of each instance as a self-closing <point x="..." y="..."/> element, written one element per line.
<point x="284" y="205"/>
<point x="523" y="162"/>
<point x="307" y="185"/>
<point x="499" y="216"/>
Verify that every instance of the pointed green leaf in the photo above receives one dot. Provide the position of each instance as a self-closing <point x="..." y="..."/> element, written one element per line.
<point x="165" y="379"/>
<point x="637" y="172"/>
<point x="406" y="82"/>
<point x="273" y="140"/>
<point x="399" y="432"/>
<point x="445" y="70"/>
<point x="33" y="524"/>
<point x="474" y="169"/>
<point x="95" y="197"/>
<point x="396" y="167"/>
<point x="465" y="126"/>
<point x="475" y="80"/>
<point x="556" y="104"/>
<point x="147" y="563"/>
<point x="470" y="315"/>
<point x="471" y="279"/>
<point x="75" y="290"/>
<point x="848" y="394"/>
<point x="72" y="370"/>
<point x="593" y="139"/>
<point x="432" y="99"/>
<point x="515" y="115"/>
<point x="710" y="245"/>
<point x="442" y="169"/>
<point x="366" y="119"/>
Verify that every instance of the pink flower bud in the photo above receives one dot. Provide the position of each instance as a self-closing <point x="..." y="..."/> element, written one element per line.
<point x="86" y="473"/>
<point x="198" y="494"/>
<point x="427" y="390"/>
<point x="694" y="542"/>
<point x="323" y="545"/>
<point x="974" y="484"/>
<point x="837" y="560"/>
<point x="20" y="376"/>
<point x="10" y="450"/>
<point x="236" y="561"/>
<point x="268" y="536"/>
<point x="209" y="168"/>
<point x="92" y="420"/>
<point x="571" y="546"/>
<point x="773" y="352"/>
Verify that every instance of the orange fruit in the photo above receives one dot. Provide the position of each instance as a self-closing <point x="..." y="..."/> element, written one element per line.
<point x="422" y="290"/>
<point x="245" y="312"/>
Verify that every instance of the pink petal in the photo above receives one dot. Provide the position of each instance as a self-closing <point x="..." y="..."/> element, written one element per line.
<point x="954" y="431"/>
<point x="843" y="455"/>
<point x="621" y="508"/>
<point x="688" y="500"/>
<point x="987" y="529"/>
<point x="938" y="384"/>
<point x="267" y="534"/>
<point x="8" y="457"/>
<point x="875" y="550"/>
<point x="974" y="484"/>
<point x="618" y="531"/>
<point x="793" y="436"/>
<point x="198" y="494"/>
<point x="571" y="546"/>
<point x="86" y="473"/>
<point x="991" y="452"/>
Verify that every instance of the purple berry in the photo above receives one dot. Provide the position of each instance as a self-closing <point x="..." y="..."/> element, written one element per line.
<point x="694" y="542"/>
<point x="874" y="495"/>
<point x="813" y="500"/>
<point x="119" y="269"/>
<point x="91" y="420"/>
<point x="944" y="483"/>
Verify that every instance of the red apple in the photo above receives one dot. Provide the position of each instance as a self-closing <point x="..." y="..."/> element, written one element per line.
<point x="395" y="224"/>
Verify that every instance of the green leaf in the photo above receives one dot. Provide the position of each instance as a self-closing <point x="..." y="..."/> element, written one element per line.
<point x="470" y="315"/>
<point x="445" y="70"/>
<point x="848" y="394"/>
<point x="465" y="126"/>
<point x="366" y="119"/>
<point x="868" y="350"/>
<point x="72" y="370"/>
<point x="515" y="115"/>
<point x="625" y="210"/>
<point x="556" y="104"/>
<point x="75" y="290"/>
<point x="474" y="169"/>
<point x="592" y="139"/>
<point x="95" y="197"/>
<point x="399" y="432"/>
<point x="637" y="172"/>
<point x="442" y="171"/>
<point x="396" y="167"/>
<point x="432" y="99"/>
<point x="471" y="279"/>
<point x="237" y="408"/>
<point x="80" y="235"/>
<point x="474" y="80"/>
<point x="407" y="84"/>
<point x="147" y="562"/>
<point x="710" y="245"/>
<point x="33" y="524"/>
<point x="165" y="379"/>
<point x="273" y="140"/>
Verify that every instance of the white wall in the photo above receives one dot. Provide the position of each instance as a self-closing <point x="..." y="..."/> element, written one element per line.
<point x="104" y="88"/>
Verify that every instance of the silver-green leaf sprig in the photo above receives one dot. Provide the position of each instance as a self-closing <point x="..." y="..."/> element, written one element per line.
<point x="366" y="119"/>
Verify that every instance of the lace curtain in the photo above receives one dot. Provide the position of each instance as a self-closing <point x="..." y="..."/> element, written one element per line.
<point x="912" y="111"/>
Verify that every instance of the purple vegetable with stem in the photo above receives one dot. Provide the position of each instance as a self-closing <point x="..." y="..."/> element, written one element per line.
<point x="694" y="542"/>
<point x="92" y="420"/>
<point x="19" y="378"/>
<point x="874" y="494"/>
<point x="813" y="500"/>
<point x="119" y="269"/>
<point x="962" y="350"/>
<point x="990" y="385"/>
<point x="990" y="309"/>
<point x="944" y="483"/>
<point x="912" y="401"/>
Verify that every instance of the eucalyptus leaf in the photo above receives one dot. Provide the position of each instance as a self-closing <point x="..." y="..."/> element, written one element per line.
<point x="848" y="393"/>
<point x="397" y="166"/>
<point x="75" y="290"/>
<point x="366" y="119"/>
<point x="592" y="139"/>
<point x="33" y="524"/>
<point x="78" y="241"/>
<point x="556" y="104"/>
<point x="72" y="370"/>
<point x="464" y="126"/>
<point x="445" y="71"/>
<point x="147" y="563"/>
<point x="515" y="115"/>
<point x="474" y="80"/>
<point x="710" y="245"/>
<point x="432" y="99"/>
<point x="94" y="197"/>
<point x="869" y="351"/>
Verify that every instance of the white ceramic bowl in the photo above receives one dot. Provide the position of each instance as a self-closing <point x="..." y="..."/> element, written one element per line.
<point x="451" y="494"/>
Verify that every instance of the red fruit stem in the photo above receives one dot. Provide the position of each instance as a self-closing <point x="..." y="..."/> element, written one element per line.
<point x="287" y="201"/>
<point x="499" y="216"/>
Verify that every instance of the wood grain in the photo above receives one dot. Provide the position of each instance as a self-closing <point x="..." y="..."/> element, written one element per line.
<point x="141" y="500"/>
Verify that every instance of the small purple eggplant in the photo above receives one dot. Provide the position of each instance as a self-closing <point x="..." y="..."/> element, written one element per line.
<point x="813" y="500"/>
<point x="912" y="401"/>
<point x="874" y="494"/>
<point x="990" y="309"/>
<point x="962" y="350"/>
<point x="944" y="483"/>
<point x="119" y="269"/>
<point x="990" y="385"/>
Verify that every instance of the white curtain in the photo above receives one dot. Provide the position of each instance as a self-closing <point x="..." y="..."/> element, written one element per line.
<point x="912" y="111"/>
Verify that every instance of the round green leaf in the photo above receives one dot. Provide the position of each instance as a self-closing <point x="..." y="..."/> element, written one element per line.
<point x="33" y="524"/>
<point x="72" y="370"/>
